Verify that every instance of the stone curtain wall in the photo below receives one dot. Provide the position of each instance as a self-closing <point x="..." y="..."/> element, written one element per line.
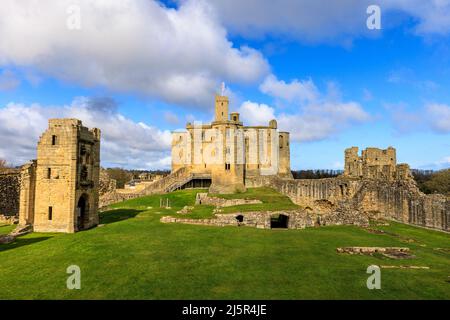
<point x="9" y="193"/>
<point x="402" y="201"/>
<point x="398" y="200"/>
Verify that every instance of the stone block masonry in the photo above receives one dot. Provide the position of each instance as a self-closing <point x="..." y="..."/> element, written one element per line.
<point x="59" y="190"/>
<point x="289" y="219"/>
<point x="203" y="198"/>
<point x="9" y="195"/>
<point x="376" y="187"/>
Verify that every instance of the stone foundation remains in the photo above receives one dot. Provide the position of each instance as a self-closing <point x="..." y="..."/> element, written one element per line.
<point x="292" y="219"/>
<point x="203" y="198"/>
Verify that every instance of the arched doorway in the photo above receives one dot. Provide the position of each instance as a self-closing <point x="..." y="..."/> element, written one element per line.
<point x="279" y="222"/>
<point x="82" y="211"/>
<point x="239" y="219"/>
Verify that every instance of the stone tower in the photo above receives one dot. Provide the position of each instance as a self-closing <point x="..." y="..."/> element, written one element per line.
<point x="373" y="163"/>
<point x="227" y="177"/>
<point x="221" y="108"/>
<point x="353" y="163"/>
<point x="227" y="153"/>
<point x="284" y="169"/>
<point x="63" y="194"/>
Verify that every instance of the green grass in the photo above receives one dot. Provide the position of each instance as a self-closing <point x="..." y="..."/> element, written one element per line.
<point x="5" y="229"/>
<point x="134" y="256"/>
<point x="271" y="201"/>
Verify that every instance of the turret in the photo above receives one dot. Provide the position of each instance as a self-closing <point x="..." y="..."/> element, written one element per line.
<point x="221" y="108"/>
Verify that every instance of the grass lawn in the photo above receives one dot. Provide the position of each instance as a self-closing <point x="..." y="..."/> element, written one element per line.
<point x="5" y="229"/>
<point x="134" y="256"/>
<point x="271" y="200"/>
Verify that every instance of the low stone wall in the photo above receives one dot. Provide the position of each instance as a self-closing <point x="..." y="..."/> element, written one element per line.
<point x="9" y="195"/>
<point x="296" y="219"/>
<point x="203" y="198"/>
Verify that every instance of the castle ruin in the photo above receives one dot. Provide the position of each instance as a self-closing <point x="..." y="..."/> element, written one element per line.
<point x="373" y="186"/>
<point x="59" y="190"/>
<point x="226" y="152"/>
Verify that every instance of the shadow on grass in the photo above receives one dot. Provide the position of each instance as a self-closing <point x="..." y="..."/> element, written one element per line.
<point x="116" y="215"/>
<point x="20" y="242"/>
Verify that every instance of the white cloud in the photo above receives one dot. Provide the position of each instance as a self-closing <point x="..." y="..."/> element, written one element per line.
<point x="310" y="20"/>
<point x="292" y="92"/>
<point x="443" y="163"/>
<point x="124" y="142"/>
<point x="327" y="21"/>
<point x="432" y="16"/>
<point x="8" y="80"/>
<point x="438" y="117"/>
<point x="432" y="116"/>
<point x="316" y="116"/>
<point x="254" y="114"/>
<point x="180" y="55"/>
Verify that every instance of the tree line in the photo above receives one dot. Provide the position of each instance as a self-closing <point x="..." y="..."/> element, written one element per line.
<point x="316" y="174"/>
<point x="430" y="181"/>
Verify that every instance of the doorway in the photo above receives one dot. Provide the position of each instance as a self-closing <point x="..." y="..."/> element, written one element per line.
<point x="82" y="212"/>
<point x="280" y="221"/>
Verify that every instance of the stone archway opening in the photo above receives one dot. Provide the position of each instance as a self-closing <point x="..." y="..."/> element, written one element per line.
<point x="280" y="221"/>
<point x="240" y="218"/>
<point x="82" y="212"/>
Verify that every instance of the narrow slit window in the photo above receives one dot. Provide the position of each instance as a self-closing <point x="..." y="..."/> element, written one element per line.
<point x="49" y="173"/>
<point x="54" y="140"/>
<point x="50" y="213"/>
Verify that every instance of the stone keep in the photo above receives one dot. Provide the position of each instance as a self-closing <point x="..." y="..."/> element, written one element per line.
<point x="240" y="159"/>
<point x="59" y="191"/>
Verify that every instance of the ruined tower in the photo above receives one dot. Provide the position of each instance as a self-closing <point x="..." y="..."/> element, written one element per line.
<point x="60" y="192"/>
<point x="373" y="163"/>
<point x="284" y="169"/>
<point x="227" y="177"/>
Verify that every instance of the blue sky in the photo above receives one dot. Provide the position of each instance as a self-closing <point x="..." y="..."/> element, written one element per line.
<point x="140" y="69"/>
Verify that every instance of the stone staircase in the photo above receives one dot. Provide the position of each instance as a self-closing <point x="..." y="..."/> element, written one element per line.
<point x="169" y="183"/>
<point x="166" y="184"/>
<point x="173" y="182"/>
<point x="182" y="181"/>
